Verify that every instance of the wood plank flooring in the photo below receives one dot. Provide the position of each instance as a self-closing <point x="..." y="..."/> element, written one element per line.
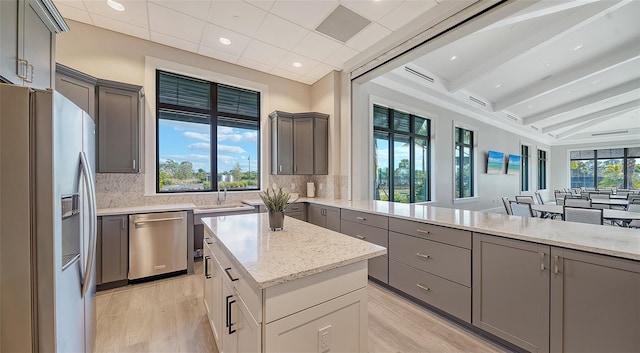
<point x="168" y="315"/>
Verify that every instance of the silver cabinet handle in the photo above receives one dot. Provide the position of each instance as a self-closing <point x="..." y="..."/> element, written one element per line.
<point x="29" y="69"/>
<point x="134" y="164"/>
<point x="360" y="236"/>
<point x="555" y="264"/>
<point x="21" y="70"/>
<point x="361" y="218"/>
<point x="426" y="289"/>
<point x="423" y="256"/>
<point x="295" y="169"/>
<point x="122" y="223"/>
<point x="158" y="220"/>
<point x="280" y="168"/>
<point x="541" y="261"/>
<point x="423" y="231"/>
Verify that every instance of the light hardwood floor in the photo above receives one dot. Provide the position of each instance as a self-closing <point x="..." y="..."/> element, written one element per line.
<point x="168" y="315"/>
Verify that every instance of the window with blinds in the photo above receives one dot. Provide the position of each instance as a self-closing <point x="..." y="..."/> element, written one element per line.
<point x="190" y="112"/>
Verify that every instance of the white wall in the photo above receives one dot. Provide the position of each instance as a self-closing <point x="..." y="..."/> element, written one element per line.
<point x="489" y="188"/>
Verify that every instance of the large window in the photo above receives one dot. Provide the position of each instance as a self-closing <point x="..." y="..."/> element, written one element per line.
<point x="401" y="156"/>
<point x="463" y="163"/>
<point x="542" y="170"/>
<point x="189" y="112"/>
<point x="524" y="170"/>
<point x="603" y="168"/>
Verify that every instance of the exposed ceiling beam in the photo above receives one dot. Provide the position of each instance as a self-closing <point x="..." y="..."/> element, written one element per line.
<point x="617" y="110"/>
<point x="607" y="61"/>
<point x="583" y="126"/>
<point x="531" y="44"/>
<point x="578" y="103"/>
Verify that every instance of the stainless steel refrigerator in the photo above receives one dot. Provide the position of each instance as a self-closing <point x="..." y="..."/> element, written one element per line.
<point x="47" y="223"/>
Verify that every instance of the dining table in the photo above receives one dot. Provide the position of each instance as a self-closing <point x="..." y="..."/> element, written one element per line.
<point x="624" y="217"/>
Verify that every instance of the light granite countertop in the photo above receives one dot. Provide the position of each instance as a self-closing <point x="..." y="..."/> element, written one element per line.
<point x="145" y="209"/>
<point x="299" y="250"/>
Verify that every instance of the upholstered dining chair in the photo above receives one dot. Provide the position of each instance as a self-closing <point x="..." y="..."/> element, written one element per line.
<point x="577" y="202"/>
<point x="539" y="198"/>
<point x="522" y="209"/>
<point x="525" y="199"/>
<point x="583" y="215"/>
<point x="634" y="208"/>
<point x="507" y="207"/>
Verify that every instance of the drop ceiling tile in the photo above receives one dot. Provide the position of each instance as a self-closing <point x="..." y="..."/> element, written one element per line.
<point x="174" y="42"/>
<point x="263" y="4"/>
<point x="74" y="13"/>
<point x="290" y="58"/>
<point x="338" y="58"/>
<point x="78" y="4"/>
<point x="175" y="24"/>
<point x="306" y="13"/>
<point x="373" y="10"/>
<point x="372" y="34"/>
<point x="237" y="16"/>
<point x="406" y="12"/>
<point x="135" y="12"/>
<point x="218" y="54"/>
<point x="213" y="33"/>
<point x="195" y="8"/>
<point x="308" y="80"/>
<point x="121" y="27"/>
<point x="254" y="65"/>
<point x="319" y="71"/>
<point x="264" y="53"/>
<point x="317" y="46"/>
<point x="286" y="74"/>
<point x="281" y="33"/>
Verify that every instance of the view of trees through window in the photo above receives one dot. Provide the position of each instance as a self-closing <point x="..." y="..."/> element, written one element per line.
<point x="463" y="163"/>
<point x="618" y="167"/>
<point x="189" y="112"/>
<point x="401" y="156"/>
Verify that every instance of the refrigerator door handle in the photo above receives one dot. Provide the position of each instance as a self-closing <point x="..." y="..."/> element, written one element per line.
<point x="86" y="176"/>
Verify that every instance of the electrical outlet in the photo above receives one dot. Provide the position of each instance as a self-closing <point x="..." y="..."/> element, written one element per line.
<point x="293" y="186"/>
<point x="324" y="339"/>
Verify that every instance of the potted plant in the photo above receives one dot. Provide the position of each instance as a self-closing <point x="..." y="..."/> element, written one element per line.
<point x="276" y="203"/>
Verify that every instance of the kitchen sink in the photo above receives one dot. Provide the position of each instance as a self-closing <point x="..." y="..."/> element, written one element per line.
<point x="230" y="207"/>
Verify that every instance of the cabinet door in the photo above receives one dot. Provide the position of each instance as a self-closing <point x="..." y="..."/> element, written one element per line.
<point x="207" y="297"/>
<point x="511" y="290"/>
<point x="595" y="303"/>
<point x="315" y="215"/>
<point x="321" y="146"/>
<point x="82" y="94"/>
<point x="282" y="130"/>
<point x="228" y="337"/>
<point x="118" y="122"/>
<point x="216" y="300"/>
<point x="303" y="146"/>
<point x="332" y="218"/>
<point x="38" y="43"/>
<point x="247" y="330"/>
<point x="115" y="248"/>
<point x="99" y="253"/>
<point x="9" y="41"/>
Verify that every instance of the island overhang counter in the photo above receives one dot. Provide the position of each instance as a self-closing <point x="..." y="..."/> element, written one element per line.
<point x="300" y="289"/>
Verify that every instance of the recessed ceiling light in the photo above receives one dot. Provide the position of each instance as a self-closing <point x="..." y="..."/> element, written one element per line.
<point x="499" y="85"/>
<point x="115" y="5"/>
<point x="547" y="64"/>
<point x="453" y="58"/>
<point x="596" y="82"/>
<point x="297" y="64"/>
<point x="578" y="47"/>
<point x="225" y="41"/>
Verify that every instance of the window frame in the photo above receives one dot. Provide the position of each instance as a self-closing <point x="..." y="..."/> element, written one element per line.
<point x="626" y="182"/>
<point x="473" y="163"/>
<point x="214" y="115"/>
<point x="391" y="132"/>
<point x="525" y="164"/>
<point x="542" y="179"/>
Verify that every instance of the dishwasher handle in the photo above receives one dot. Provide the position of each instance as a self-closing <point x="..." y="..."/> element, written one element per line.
<point x="137" y="223"/>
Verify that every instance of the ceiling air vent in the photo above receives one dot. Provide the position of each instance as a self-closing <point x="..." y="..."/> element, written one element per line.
<point x="477" y="101"/>
<point x="535" y="128"/>
<point x="512" y="117"/>
<point x="419" y="74"/>
<point x="342" y="24"/>
<point x="610" y="133"/>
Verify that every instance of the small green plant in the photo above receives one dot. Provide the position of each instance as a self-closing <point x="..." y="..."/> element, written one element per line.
<point x="275" y="202"/>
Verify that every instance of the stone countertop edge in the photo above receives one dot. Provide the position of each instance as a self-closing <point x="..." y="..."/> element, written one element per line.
<point x="145" y="209"/>
<point x="262" y="283"/>
<point x="613" y="241"/>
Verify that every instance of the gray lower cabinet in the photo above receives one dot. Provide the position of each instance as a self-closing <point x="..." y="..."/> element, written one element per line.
<point x="112" y="249"/>
<point x="324" y="216"/>
<point x="595" y="303"/>
<point x="78" y="87"/>
<point x="378" y="266"/>
<point x="120" y="110"/>
<point x="297" y="210"/>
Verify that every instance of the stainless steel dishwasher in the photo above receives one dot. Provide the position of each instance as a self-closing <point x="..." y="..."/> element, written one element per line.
<point x="157" y="243"/>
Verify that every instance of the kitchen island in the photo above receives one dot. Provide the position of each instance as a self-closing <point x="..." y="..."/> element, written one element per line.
<point x="300" y="289"/>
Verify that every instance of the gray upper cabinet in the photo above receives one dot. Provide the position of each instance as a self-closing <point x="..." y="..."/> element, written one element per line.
<point x="299" y="143"/>
<point x="120" y="111"/>
<point x="78" y="87"/>
<point x="27" y="49"/>
<point x="511" y="290"/>
<point x="595" y="303"/>
<point x="112" y="249"/>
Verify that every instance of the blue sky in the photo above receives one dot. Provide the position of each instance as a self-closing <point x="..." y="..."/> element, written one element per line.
<point x="185" y="141"/>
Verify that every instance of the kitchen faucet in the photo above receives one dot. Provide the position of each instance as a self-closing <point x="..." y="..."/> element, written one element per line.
<point x="224" y="197"/>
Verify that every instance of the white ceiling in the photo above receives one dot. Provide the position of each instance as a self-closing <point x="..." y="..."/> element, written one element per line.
<point x="562" y="71"/>
<point x="266" y="35"/>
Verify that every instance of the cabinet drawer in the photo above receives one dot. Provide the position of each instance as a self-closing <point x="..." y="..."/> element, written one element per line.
<point x="443" y="294"/>
<point x="379" y="268"/>
<point x="296" y="206"/>
<point x="365" y="218"/>
<point x="450" y="262"/>
<point x="440" y="234"/>
<point x="297" y="215"/>
<point x="367" y="233"/>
